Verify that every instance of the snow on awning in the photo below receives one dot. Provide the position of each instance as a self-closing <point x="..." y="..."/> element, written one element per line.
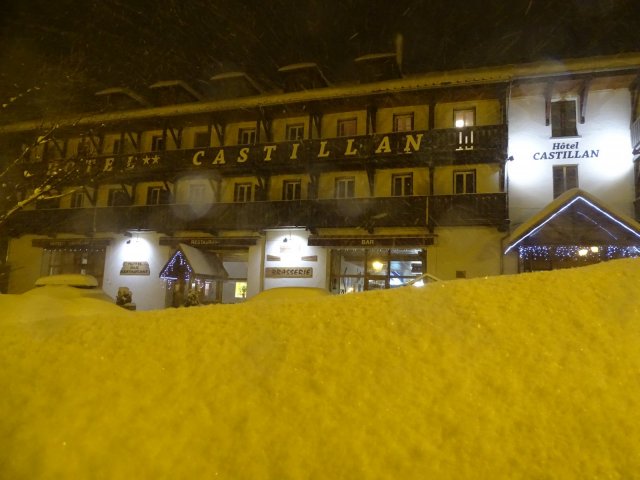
<point x="191" y="262"/>
<point x="575" y="218"/>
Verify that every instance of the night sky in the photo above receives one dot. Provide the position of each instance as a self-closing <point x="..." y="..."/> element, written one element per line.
<point x="66" y="47"/>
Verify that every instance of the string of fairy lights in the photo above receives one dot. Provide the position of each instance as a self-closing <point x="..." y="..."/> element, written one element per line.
<point x="568" y="252"/>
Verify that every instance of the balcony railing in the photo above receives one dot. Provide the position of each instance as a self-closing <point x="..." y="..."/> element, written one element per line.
<point x="366" y="213"/>
<point x="481" y="144"/>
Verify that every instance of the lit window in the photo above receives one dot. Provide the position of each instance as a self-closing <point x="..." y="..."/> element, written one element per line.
<point x="403" y="123"/>
<point x="464" y="117"/>
<point x="242" y="192"/>
<point x="565" y="177"/>
<point x="291" y="189"/>
<point x="347" y="128"/>
<point x="402" y="185"/>
<point x="247" y="136"/>
<point x="345" y="187"/>
<point x="464" y="182"/>
<point x="563" y="119"/>
<point x="295" y="132"/>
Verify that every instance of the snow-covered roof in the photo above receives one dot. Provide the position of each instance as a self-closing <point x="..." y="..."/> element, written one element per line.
<point x="559" y="205"/>
<point x="202" y="264"/>
<point x="127" y="92"/>
<point x="241" y="76"/>
<point x="375" y="56"/>
<point x="409" y="83"/>
<point x="177" y="83"/>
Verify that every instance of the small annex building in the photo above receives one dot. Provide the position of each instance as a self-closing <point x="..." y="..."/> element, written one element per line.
<point x="193" y="276"/>
<point x="575" y="229"/>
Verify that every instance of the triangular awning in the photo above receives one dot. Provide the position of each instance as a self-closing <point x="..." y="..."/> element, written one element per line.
<point x="194" y="262"/>
<point x="575" y="218"/>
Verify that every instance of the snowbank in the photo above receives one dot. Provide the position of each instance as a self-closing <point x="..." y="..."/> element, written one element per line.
<point x="529" y="376"/>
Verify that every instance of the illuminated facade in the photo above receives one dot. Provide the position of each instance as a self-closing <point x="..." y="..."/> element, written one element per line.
<point x="349" y="188"/>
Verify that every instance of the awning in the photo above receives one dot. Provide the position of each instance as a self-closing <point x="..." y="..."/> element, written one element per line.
<point x="210" y="243"/>
<point x="189" y="261"/>
<point x="71" y="243"/>
<point x="371" y="241"/>
<point x="575" y="218"/>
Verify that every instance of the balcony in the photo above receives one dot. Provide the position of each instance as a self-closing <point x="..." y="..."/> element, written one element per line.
<point x="366" y="213"/>
<point x="481" y="144"/>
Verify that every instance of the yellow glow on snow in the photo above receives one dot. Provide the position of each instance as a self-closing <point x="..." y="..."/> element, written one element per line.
<point x="528" y="376"/>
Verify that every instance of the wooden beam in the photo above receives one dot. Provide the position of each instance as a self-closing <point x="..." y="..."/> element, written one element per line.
<point x="634" y="89"/>
<point x="220" y="128"/>
<point x="92" y="198"/>
<point x="584" y="92"/>
<point x="547" y="103"/>
<point x="176" y="135"/>
<point x="134" y="141"/>
<point x="372" y="112"/>
<point x="267" y="124"/>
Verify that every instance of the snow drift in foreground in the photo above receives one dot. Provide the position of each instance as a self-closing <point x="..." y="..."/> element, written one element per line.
<point x="528" y="376"/>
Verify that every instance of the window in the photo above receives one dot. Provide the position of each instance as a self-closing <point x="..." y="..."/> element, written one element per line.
<point x="242" y="192"/>
<point x="347" y="128"/>
<point x="156" y="196"/>
<point x="563" y="119"/>
<point x="197" y="192"/>
<point x="565" y="177"/>
<point x="295" y="132"/>
<point x="345" y="187"/>
<point x="464" y="182"/>
<point x="157" y="143"/>
<point x="59" y="261"/>
<point x="291" y="189"/>
<point x="247" y="136"/>
<point x="402" y="185"/>
<point x="403" y="123"/>
<point x="464" y="117"/>
<point x="77" y="199"/>
<point x="118" y="197"/>
<point x="202" y="140"/>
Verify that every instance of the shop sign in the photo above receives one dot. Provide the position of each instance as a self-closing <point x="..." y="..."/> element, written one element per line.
<point x="370" y="241"/>
<point x="288" y="272"/>
<point x="135" y="268"/>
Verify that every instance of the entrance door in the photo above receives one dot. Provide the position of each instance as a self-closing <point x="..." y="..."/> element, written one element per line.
<point x="359" y="269"/>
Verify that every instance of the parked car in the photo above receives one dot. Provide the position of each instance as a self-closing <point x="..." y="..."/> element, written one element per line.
<point x="70" y="285"/>
<point x="422" y="280"/>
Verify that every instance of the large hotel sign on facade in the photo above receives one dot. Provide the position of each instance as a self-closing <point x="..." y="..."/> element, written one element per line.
<point x="566" y="151"/>
<point x="245" y="155"/>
